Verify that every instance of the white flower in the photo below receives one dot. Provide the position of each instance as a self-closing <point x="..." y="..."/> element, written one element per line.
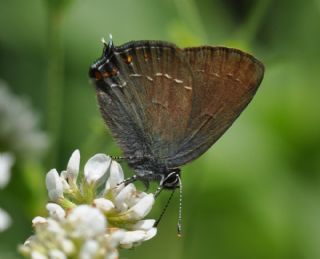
<point x="150" y="234"/>
<point x="64" y="181"/>
<point x="67" y="246"/>
<point x="54" y="185"/>
<point x="116" y="237"/>
<point x="55" y="211"/>
<point x="89" y="249"/>
<point x="19" y="126"/>
<point x="54" y="228"/>
<point x="5" y="220"/>
<point x="96" y="168"/>
<point x="140" y="209"/>
<point x="39" y="220"/>
<point x="144" y="224"/>
<point x="38" y="255"/>
<point x="116" y="177"/>
<point x="86" y="220"/>
<point x="124" y="196"/>
<point x="57" y="254"/>
<point x="6" y="162"/>
<point x="103" y="204"/>
<point x="137" y="236"/>
<point x="73" y="166"/>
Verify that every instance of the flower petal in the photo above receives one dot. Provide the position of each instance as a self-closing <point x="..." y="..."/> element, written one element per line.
<point x="56" y="254"/>
<point x="89" y="249"/>
<point x="67" y="246"/>
<point x="133" y="237"/>
<point x="54" y="185"/>
<point x="125" y="194"/>
<point x="56" y="211"/>
<point x="135" y="198"/>
<point x="54" y="228"/>
<point x="96" y="167"/>
<point x="116" y="237"/>
<point x="150" y="234"/>
<point x="116" y="176"/>
<point x="5" y="220"/>
<point x="103" y="204"/>
<point x="73" y="165"/>
<point x="64" y="181"/>
<point x="6" y="162"/>
<point x="38" y="255"/>
<point x="39" y="220"/>
<point x="30" y="240"/>
<point x="144" y="224"/>
<point x="142" y="208"/>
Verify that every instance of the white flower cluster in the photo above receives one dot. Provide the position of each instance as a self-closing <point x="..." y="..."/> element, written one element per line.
<point x="19" y="125"/>
<point x="6" y="162"/>
<point x="92" y="214"/>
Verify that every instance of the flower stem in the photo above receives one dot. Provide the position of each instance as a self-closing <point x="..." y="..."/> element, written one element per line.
<point x="254" y="20"/>
<point x="55" y="79"/>
<point x="188" y="12"/>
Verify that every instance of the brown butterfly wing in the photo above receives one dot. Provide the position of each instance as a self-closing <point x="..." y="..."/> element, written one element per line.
<point x="145" y="97"/>
<point x="225" y="81"/>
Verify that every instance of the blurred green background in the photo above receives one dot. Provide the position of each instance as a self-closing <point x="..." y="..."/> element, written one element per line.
<point x="255" y="194"/>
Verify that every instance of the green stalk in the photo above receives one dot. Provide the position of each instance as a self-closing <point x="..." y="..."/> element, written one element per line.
<point x="188" y="12"/>
<point x="251" y="26"/>
<point x="55" y="79"/>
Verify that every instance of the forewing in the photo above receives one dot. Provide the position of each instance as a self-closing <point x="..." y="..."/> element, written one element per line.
<point x="145" y="97"/>
<point x="225" y="81"/>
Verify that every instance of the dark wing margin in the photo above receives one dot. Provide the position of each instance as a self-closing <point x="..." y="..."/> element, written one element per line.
<point x="144" y="92"/>
<point x="225" y="81"/>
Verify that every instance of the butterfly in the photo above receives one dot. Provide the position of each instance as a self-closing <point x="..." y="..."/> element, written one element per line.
<point x="166" y="106"/>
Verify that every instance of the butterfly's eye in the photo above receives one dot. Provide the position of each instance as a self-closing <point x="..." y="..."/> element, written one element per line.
<point x="172" y="181"/>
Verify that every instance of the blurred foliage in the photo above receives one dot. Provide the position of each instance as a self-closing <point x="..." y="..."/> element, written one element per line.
<point x="255" y="194"/>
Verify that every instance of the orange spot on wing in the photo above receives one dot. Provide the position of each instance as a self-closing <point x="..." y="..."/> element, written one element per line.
<point x="128" y="59"/>
<point x="98" y="75"/>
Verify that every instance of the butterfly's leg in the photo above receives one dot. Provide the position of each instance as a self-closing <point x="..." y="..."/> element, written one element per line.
<point x="118" y="158"/>
<point x="158" y="191"/>
<point x="128" y="180"/>
<point x="125" y="158"/>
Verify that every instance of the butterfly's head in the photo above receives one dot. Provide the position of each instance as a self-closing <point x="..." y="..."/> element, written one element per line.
<point x="172" y="180"/>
